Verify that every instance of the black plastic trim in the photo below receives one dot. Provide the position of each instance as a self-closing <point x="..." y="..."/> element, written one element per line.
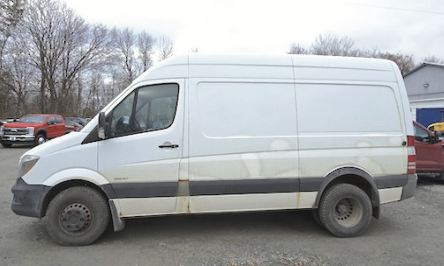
<point x="28" y="199"/>
<point x="391" y="181"/>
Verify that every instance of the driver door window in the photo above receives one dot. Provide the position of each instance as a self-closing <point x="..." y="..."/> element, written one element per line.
<point x="146" y="109"/>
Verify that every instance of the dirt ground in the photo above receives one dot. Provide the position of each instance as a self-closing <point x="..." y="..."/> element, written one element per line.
<point x="410" y="232"/>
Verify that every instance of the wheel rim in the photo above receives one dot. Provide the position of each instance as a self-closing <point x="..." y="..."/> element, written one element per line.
<point x="40" y="140"/>
<point x="75" y="218"/>
<point x="348" y="212"/>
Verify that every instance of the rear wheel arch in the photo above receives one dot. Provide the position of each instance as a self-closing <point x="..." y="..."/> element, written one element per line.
<point x="353" y="176"/>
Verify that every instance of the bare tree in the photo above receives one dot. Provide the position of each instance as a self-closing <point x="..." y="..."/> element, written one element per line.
<point x="333" y="45"/>
<point x="405" y="62"/>
<point x="11" y="12"/>
<point x="61" y="46"/>
<point x="165" y="47"/>
<point x="433" y="59"/>
<point x="51" y="60"/>
<point x="329" y="44"/>
<point x="145" y="44"/>
<point x="22" y="75"/>
<point x="125" y="41"/>
<point x="297" y="49"/>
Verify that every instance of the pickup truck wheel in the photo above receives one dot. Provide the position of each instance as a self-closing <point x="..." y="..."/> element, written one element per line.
<point x="345" y="210"/>
<point x="7" y="145"/>
<point x="77" y="216"/>
<point x="40" y="139"/>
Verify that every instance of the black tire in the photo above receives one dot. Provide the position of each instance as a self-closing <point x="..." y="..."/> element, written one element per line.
<point x="7" y="145"/>
<point x="345" y="210"/>
<point x="77" y="216"/>
<point x="39" y="139"/>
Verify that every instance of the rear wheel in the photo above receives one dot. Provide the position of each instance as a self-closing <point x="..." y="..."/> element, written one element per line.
<point x="40" y="139"/>
<point x="77" y="216"/>
<point x="345" y="210"/>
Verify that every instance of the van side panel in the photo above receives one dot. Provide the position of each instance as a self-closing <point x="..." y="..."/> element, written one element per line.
<point x="246" y="132"/>
<point x="364" y="130"/>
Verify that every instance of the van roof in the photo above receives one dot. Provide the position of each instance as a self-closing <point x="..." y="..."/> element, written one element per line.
<point x="299" y="67"/>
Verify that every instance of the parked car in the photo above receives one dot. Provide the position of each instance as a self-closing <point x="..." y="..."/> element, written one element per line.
<point x="72" y="126"/>
<point x="78" y="120"/>
<point x="10" y="120"/>
<point x="429" y="151"/>
<point x="32" y="128"/>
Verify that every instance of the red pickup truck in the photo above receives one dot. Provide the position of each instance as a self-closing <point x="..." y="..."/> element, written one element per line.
<point x="32" y="128"/>
<point x="429" y="151"/>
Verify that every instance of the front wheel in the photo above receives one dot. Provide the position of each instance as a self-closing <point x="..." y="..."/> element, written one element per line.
<point x="345" y="210"/>
<point x="7" y="145"/>
<point x="77" y="216"/>
<point x="40" y="139"/>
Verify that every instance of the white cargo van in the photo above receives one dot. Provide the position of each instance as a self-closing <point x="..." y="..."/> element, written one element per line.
<point x="202" y="134"/>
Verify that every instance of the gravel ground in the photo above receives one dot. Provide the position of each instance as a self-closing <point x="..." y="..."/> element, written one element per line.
<point x="408" y="233"/>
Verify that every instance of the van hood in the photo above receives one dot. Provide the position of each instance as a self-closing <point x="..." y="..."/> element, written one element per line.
<point x="58" y="144"/>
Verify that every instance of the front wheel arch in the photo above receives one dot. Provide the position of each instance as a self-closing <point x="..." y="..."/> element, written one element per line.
<point x="105" y="190"/>
<point x="65" y="185"/>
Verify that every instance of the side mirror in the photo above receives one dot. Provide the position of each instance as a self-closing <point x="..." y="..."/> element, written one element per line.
<point x="102" y="126"/>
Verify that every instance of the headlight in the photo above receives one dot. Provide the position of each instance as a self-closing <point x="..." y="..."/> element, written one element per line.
<point x="30" y="131"/>
<point x="26" y="163"/>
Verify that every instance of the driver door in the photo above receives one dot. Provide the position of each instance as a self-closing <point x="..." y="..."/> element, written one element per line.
<point x="141" y="154"/>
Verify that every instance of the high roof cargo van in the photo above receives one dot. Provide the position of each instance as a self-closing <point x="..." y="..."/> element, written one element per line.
<point x="205" y="134"/>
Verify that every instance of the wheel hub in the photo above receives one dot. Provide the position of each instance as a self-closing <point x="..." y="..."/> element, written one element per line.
<point x="342" y="209"/>
<point x="75" y="217"/>
<point x="348" y="212"/>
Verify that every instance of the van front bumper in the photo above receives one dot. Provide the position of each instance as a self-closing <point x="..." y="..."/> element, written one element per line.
<point x="27" y="200"/>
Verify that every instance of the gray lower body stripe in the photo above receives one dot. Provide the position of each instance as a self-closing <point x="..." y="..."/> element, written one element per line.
<point x="197" y="188"/>
<point x="255" y="186"/>
<point x="233" y="187"/>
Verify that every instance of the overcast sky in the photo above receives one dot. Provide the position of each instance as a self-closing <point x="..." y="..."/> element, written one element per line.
<point x="269" y="27"/>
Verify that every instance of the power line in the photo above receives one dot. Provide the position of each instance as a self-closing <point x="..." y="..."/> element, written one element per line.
<point x="399" y="9"/>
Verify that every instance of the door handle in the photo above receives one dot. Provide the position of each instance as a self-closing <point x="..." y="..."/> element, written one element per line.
<point x="168" y="145"/>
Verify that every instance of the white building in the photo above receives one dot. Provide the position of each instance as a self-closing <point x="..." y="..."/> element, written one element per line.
<point x="425" y="89"/>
